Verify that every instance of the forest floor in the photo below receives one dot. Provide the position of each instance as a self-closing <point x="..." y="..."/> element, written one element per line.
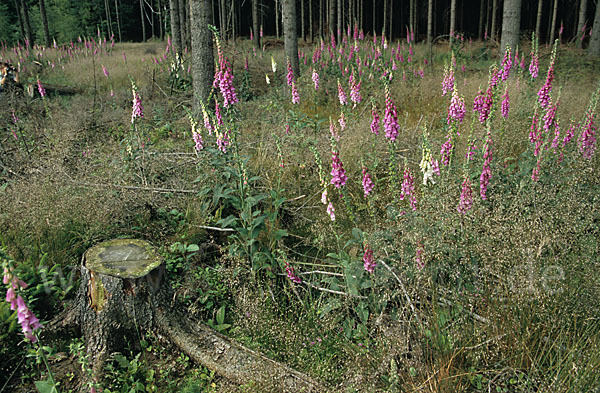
<point x="464" y="282"/>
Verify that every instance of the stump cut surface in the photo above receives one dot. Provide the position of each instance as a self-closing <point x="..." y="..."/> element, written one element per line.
<point x="124" y="258"/>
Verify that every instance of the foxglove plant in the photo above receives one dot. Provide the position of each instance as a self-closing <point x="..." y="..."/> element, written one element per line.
<point x="331" y="211"/>
<point x="355" y="96"/>
<point x="295" y="95"/>
<point x="446" y="150"/>
<point x="506" y="65"/>
<point x="315" y="79"/>
<point x="137" y="110"/>
<point x="505" y="106"/>
<point x="368" y="259"/>
<point x="367" y="182"/>
<point x="338" y="174"/>
<point x="390" y="119"/>
<point x="456" y="109"/>
<point x="41" y="89"/>
<point x="29" y="322"/>
<point x="448" y="82"/>
<point x="544" y="92"/>
<point x="375" y="119"/>
<point x="466" y="197"/>
<point x="486" y="172"/>
<point x="341" y="94"/>
<point x="408" y="188"/>
<point x="290" y="73"/>
<point x="291" y="275"/>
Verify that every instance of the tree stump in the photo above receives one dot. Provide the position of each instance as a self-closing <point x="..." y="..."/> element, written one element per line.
<point x="121" y="281"/>
<point x="124" y="292"/>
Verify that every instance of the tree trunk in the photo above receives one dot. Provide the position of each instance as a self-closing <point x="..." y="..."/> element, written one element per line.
<point x="310" y="21"/>
<point x="538" y="21"/>
<point x="120" y="281"/>
<point x="411" y="15"/>
<point x="142" y="20"/>
<point x="290" y="35"/>
<point x="384" y="16"/>
<point x="175" y="34"/>
<point x="255" y="24"/>
<point x="161" y="32"/>
<point x="430" y="22"/>
<point x="481" y="14"/>
<point x="581" y="23"/>
<point x="182" y="22"/>
<point x="277" y="19"/>
<point x="553" y="26"/>
<point x="108" y="17"/>
<point x="494" y="11"/>
<point x="321" y="18"/>
<point x="391" y="19"/>
<point x="511" y="22"/>
<point x="45" y="23"/>
<point x="374" y="28"/>
<point x="452" y="20"/>
<point x="339" y="24"/>
<point x="28" y="31"/>
<point x="232" y="18"/>
<point x="118" y="19"/>
<point x="124" y="293"/>
<point x="302" y="27"/>
<point x="21" y="25"/>
<point x="594" y="48"/>
<point x="331" y="19"/>
<point x="202" y="52"/>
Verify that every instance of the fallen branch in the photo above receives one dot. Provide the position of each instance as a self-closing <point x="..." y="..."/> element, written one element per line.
<point x="139" y="188"/>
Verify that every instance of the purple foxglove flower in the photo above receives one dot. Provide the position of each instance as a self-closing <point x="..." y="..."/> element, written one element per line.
<point x="375" y="121"/>
<point x="291" y="275"/>
<point x="486" y="172"/>
<point x="368" y="260"/>
<point x="331" y="211"/>
<point x="466" y="197"/>
<point x="41" y="89"/>
<point x="338" y="174"/>
<point x="456" y="110"/>
<point x="390" y="119"/>
<point x="408" y="189"/>
<point x="367" y="182"/>
<point x="295" y="95"/>
<point x="137" y="110"/>
<point x="315" y="79"/>
<point x="587" y="138"/>
<point x="505" y="104"/>
<point x="341" y="94"/>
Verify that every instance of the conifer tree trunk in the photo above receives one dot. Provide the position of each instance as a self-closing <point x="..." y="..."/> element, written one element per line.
<point x="511" y="22"/>
<point x="430" y="22"/>
<point x="108" y="17"/>
<point x="594" y="48"/>
<point x="28" y="31"/>
<point x="161" y="32"/>
<point x="411" y="15"/>
<point x="302" y="27"/>
<point x="142" y="20"/>
<point x="331" y="21"/>
<point x="452" y="20"/>
<point x="175" y="34"/>
<point x="581" y="23"/>
<point x="494" y="11"/>
<point x="374" y="18"/>
<point x="233" y="18"/>
<point x="255" y="24"/>
<point x="553" y="26"/>
<point x="277" y="19"/>
<point x="481" y="14"/>
<point x="182" y="22"/>
<point x="391" y="19"/>
<point x="291" y="35"/>
<point x="384" y="16"/>
<point x="202" y="52"/>
<point x="339" y="24"/>
<point x="310" y="23"/>
<point x="538" y="22"/>
<point x="45" y="23"/>
<point x="118" y="19"/>
<point x="20" y="17"/>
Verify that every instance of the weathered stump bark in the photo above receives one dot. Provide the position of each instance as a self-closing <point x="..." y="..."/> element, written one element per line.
<point x="123" y="292"/>
<point x="120" y="285"/>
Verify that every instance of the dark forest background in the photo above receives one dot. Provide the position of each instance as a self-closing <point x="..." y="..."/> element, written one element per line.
<point x="70" y="19"/>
